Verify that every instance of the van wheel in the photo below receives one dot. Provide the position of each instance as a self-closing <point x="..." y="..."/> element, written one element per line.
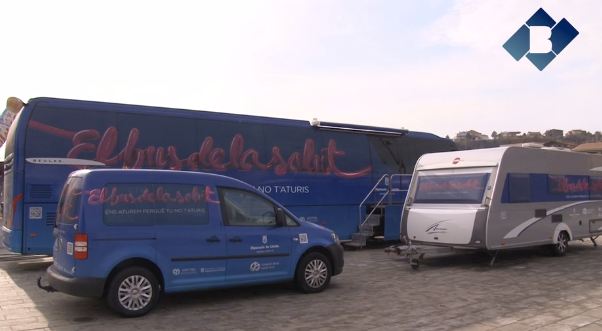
<point x="561" y="245"/>
<point x="133" y="292"/>
<point x="313" y="273"/>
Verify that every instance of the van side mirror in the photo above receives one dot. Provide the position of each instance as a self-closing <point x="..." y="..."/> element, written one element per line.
<point x="280" y="217"/>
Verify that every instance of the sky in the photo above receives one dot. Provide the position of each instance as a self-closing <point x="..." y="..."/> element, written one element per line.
<point x="436" y="66"/>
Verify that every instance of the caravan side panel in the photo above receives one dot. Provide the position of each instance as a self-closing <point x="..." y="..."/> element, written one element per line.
<point x="540" y="192"/>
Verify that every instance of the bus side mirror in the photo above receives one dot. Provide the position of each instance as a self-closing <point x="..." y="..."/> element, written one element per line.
<point x="280" y="217"/>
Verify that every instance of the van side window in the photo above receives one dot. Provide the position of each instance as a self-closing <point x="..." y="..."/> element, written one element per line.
<point x="244" y="208"/>
<point x="290" y="221"/>
<point x="519" y="186"/>
<point x="143" y="204"/>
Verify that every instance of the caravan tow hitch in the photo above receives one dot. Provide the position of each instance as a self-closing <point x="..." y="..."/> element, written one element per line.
<point x="411" y="252"/>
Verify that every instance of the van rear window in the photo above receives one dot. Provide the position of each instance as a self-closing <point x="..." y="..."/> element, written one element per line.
<point x="70" y="201"/>
<point x="453" y="188"/>
<point x="151" y="204"/>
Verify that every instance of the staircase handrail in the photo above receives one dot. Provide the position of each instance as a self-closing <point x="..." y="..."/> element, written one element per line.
<point x="387" y="191"/>
<point x="383" y="177"/>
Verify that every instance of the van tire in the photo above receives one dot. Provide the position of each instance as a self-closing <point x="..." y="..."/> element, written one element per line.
<point x="133" y="281"/>
<point x="313" y="273"/>
<point x="562" y="244"/>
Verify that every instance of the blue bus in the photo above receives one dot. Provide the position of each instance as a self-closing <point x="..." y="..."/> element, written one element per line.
<point x="322" y="172"/>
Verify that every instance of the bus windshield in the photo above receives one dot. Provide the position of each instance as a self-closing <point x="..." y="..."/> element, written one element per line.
<point x="451" y="188"/>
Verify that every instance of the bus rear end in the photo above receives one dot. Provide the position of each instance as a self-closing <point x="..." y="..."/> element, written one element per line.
<point x="11" y="231"/>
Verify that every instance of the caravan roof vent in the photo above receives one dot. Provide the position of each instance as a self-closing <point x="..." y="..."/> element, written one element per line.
<point x="532" y="145"/>
<point x="555" y="148"/>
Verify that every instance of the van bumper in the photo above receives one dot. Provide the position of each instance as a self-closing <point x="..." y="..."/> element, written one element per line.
<point x="81" y="287"/>
<point x="336" y="251"/>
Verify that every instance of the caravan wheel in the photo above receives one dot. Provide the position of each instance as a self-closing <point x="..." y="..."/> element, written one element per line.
<point x="561" y="245"/>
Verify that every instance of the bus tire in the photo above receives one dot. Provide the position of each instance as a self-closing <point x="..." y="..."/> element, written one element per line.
<point x="562" y="244"/>
<point x="133" y="292"/>
<point x="313" y="273"/>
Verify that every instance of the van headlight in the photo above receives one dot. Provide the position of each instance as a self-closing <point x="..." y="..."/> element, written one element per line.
<point x="334" y="237"/>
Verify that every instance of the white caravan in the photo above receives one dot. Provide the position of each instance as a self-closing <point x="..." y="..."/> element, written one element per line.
<point x="506" y="197"/>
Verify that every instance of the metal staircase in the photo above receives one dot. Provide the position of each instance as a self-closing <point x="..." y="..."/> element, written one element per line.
<point x="371" y="209"/>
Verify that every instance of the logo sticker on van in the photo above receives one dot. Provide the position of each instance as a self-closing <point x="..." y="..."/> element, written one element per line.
<point x="69" y="248"/>
<point x="303" y="238"/>
<point x="255" y="266"/>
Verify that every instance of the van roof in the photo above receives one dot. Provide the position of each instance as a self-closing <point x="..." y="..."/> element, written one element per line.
<point x="150" y="175"/>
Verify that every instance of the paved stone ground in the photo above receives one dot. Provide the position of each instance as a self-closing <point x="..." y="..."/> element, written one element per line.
<point x="525" y="290"/>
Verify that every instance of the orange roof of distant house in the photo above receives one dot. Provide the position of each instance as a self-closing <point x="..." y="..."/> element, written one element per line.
<point x="589" y="148"/>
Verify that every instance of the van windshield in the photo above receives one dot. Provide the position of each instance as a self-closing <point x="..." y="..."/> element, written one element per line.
<point x="70" y="201"/>
<point x="451" y="188"/>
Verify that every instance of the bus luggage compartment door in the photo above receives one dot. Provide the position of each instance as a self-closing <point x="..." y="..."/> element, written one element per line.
<point x="37" y="234"/>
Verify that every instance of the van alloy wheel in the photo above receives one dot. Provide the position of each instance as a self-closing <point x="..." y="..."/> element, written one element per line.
<point x="135" y="292"/>
<point x="316" y="273"/>
<point x="313" y="272"/>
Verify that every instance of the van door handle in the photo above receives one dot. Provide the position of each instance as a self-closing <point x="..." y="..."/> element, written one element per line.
<point x="236" y="239"/>
<point x="213" y="239"/>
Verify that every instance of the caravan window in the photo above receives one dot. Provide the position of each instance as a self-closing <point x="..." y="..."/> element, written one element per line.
<point x="519" y="187"/>
<point x="595" y="187"/>
<point x="569" y="187"/>
<point x="451" y="188"/>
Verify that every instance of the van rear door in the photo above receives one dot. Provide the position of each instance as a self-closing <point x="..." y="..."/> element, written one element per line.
<point x="67" y="222"/>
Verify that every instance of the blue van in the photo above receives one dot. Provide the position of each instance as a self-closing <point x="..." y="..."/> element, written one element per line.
<point x="129" y="235"/>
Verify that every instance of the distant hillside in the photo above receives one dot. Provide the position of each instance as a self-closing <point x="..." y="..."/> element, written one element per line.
<point x="554" y="137"/>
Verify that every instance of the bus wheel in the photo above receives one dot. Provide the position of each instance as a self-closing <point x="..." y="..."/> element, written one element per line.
<point x="133" y="292"/>
<point x="313" y="273"/>
<point x="561" y="245"/>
